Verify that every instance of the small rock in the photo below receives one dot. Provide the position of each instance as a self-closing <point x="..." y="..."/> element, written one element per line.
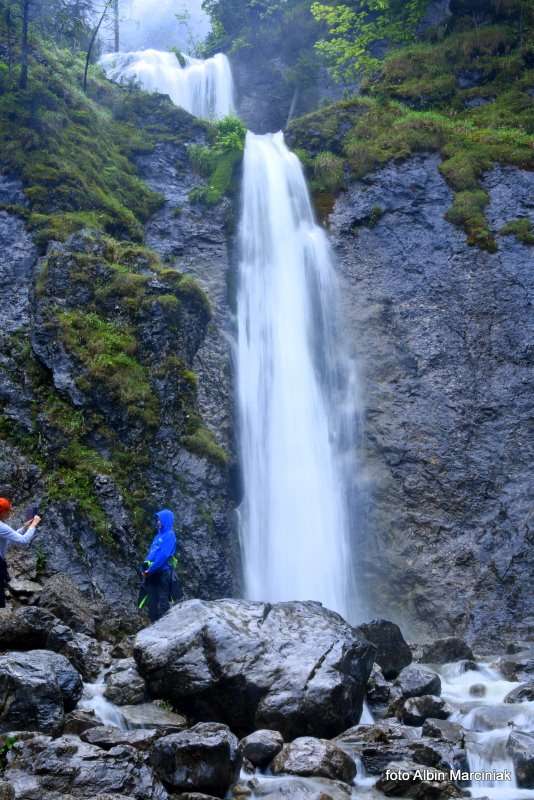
<point x="261" y="747"/>
<point x="393" y="653"/>
<point x="7" y="792"/>
<point x="520" y="747"/>
<point x="152" y="715"/>
<point x="522" y="694"/>
<point x="416" y="710"/>
<point x="378" y="689"/>
<point x="309" y="757"/>
<point x="403" y="779"/>
<point x="203" y="758"/>
<point x="443" y="729"/>
<point x="78" y="721"/>
<point x="443" y="651"/>
<point x="415" y="681"/>
<point x="477" y="690"/>
<point x="108" y="737"/>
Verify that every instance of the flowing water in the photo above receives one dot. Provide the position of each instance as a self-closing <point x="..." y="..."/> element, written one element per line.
<point x="296" y="425"/>
<point x="93" y="700"/>
<point x="489" y="722"/>
<point x="204" y="88"/>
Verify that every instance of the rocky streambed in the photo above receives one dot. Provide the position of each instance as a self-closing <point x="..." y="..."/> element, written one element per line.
<point x="244" y="700"/>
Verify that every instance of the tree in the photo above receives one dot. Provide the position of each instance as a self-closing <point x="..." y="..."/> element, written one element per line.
<point x="93" y="40"/>
<point x="355" y="28"/>
<point x="25" y="8"/>
<point x="116" y="26"/>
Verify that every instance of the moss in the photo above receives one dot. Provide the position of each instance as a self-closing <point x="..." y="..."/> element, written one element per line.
<point x="522" y="229"/>
<point x="203" y="443"/>
<point x="468" y="212"/>
<point x="107" y="351"/>
<point x="328" y="172"/>
<point x="72" y="156"/>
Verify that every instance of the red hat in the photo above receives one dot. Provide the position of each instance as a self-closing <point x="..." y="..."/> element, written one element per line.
<point x="5" y="505"/>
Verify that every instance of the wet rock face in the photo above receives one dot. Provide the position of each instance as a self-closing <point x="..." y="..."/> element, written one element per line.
<point x="36" y="689"/>
<point x="444" y="651"/>
<point x="292" y="667"/>
<point x="124" y="685"/>
<point x="416" y="710"/>
<point x="415" y="681"/>
<point x="196" y="240"/>
<point x="440" y="332"/>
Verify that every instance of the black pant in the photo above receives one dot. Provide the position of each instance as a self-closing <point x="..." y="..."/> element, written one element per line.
<point x="4" y="580"/>
<point x="158" y="589"/>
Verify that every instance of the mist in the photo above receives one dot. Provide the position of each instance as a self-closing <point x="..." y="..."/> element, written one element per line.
<point x="152" y="23"/>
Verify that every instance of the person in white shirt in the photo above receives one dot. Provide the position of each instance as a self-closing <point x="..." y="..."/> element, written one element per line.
<point x="8" y="536"/>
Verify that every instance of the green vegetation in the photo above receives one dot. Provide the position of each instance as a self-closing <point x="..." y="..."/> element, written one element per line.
<point x="218" y="161"/>
<point x="353" y="29"/>
<point x="418" y="101"/>
<point x="522" y="229"/>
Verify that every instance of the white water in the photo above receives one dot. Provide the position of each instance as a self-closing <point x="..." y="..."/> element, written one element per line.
<point x="93" y="700"/>
<point x="204" y="88"/>
<point x="295" y="424"/>
<point x="489" y="722"/>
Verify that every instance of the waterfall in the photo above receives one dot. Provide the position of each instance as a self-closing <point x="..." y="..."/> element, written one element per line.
<point x="296" y="426"/>
<point x="204" y="88"/>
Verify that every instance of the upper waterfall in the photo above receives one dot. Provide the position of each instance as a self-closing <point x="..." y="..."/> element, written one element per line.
<point x="202" y="87"/>
<point x="296" y="427"/>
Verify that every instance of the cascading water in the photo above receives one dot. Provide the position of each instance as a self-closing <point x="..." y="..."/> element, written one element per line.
<point x="295" y="426"/>
<point x="204" y="88"/>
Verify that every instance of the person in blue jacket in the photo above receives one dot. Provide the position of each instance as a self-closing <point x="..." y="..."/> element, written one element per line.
<point x="158" y="567"/>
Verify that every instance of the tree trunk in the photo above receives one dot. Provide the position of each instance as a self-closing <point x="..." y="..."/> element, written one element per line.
<point x="116" y="25"/>
<point x="92" y="42"/>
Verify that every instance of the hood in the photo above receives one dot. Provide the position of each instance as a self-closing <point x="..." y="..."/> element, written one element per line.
<point x="166" y="518"/>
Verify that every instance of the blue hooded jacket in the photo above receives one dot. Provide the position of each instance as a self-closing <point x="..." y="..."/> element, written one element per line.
<point x="163" y="545"/>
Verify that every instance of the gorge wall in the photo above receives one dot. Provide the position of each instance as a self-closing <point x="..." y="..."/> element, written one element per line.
<point x="443" y="336"/>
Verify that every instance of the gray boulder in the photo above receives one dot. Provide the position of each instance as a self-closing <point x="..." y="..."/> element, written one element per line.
<point x="261" y="747"/>
<point x="34" y="628"/>
<point x="309" y="757"/>
<point x="78" y="721"/>
<point x="415" y="681"/>
<point x="443" y="651"/>
<point x="416" y="710"/>
<point x="293" y="667"/>
<point x="36" y="689"/>
<point x="388" y="740"/>
<point x="392" y="651"/>
<point x="520" y="747"/>
<point x="42" y="767"/>
<point x="204" y="758"/>
<point x="522" y="694"/>
<point x="124" y="685"/>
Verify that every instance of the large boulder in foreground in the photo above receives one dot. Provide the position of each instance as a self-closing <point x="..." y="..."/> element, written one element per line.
<point x="292" y="667"/>
<point x="309" y="757"/>
<point x="41" y="767"/>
